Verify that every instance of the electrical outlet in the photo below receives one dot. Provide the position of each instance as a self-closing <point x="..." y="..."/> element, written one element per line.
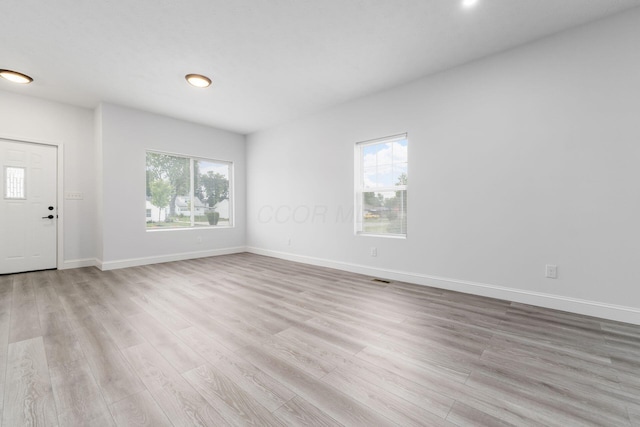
<point x="73" y="195"/>
<point x="551" y="271"/>
<point x="373" y="251"/>
<point x="289" y="242"/>
<point x="199" y="240"/>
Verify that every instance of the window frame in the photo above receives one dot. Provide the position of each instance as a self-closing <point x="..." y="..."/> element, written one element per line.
<point x="361" y="188"/>
<point x="192" y="160"/>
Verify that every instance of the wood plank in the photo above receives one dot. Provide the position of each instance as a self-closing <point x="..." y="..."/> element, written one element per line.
<point x="28" y="396"/>
<point x="426" y="395"/>
<point x="75" y="308"/>
<point x="232" y="340"/>
<point x="546" y="409"/>
<point x="330" y="400"/>
<point x="348" y="343"/>
<point x="6" y="288"/>
<point x="162" y="313"/>
<point x="1" y="398"/>
<point x="298" y="356"/>
<point x="309" y="343"/>
<point x="231" y="401"/>
<point x="78" y="397"/>
<point x="116" y="325"/>
<point x="180" y="402"/>
<point x="62" y="348"/>
<point x="299" y="412"/>
<point x="54" y="323"/>
<point x="435" y="371"/>
<point x="47" y="299"/>
<point x="595" y="385"/>
<point x="25" y="323"/>
<point x="112" y="373"/>
<point x="181" y="357"/>
<point x="380" y="400"/>
<point x="466" y="416"/>
<point x="262" y="387"/>
<point x="139" y="410"/>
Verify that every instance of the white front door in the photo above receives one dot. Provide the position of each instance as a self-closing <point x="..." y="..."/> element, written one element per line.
<point x="28" y="206"/>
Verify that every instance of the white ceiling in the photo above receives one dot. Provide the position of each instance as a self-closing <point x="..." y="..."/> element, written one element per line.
<point x="270" y="60"/>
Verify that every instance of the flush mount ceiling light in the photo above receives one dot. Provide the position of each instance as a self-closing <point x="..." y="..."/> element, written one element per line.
<point x="467" y="4"/>
<point x="198" y="80"/>
<point x="16" y="77"/>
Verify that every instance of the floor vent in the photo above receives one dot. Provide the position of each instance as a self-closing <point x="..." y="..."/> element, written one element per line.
<point x="381" y="280"/>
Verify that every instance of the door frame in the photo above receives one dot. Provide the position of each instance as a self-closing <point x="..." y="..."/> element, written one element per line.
<point x="59" y="189"/>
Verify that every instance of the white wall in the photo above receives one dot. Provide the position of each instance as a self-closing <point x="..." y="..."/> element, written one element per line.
<point x="126" y="134"/>
<point x="527" y="158"/>
<point x="99" y="185"/>
<point x="31" y="119"/>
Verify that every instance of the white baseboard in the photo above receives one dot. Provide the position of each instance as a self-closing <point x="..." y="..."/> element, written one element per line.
<point x="78" y="263"/>
<point x="134" y="262"/>
<point x="557" y="302"/>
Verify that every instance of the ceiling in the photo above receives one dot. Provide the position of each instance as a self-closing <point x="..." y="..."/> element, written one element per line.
<point x="270" y="61"/>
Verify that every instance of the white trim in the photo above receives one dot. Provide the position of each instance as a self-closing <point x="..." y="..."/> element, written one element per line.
<point x="60" y="189"/>
<point x="134" y="262"/>
<point x="204" y="227"/>
<point x="79" y="263"/>
<point x="574" y="305"/>
<point x="60" y="207"/>
<point x="397" y="137"/>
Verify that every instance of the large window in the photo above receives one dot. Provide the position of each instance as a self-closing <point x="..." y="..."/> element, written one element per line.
<point x="381" y="186"/>
<point x="188" y="192"/>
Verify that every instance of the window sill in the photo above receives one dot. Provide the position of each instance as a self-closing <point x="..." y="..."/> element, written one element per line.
<point x="388" y="236"/>
<point x="212" y="227"/>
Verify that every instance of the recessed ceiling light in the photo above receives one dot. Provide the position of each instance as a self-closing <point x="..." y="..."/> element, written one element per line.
<point x="198" y="80"/>
<point x="469" y="3"/>
<point x="16" y="77"/>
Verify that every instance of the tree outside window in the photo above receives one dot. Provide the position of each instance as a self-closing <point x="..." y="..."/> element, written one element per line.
<point x="187" y="192"/>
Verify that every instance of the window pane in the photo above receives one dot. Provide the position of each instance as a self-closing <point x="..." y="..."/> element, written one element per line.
<point x="384" y="212"/>
<point x="385" y="153"/>
<point x="400" y="151"/>
<point x="385" y="176"/>
<point x="14" y="183"/>
<point x="400" y="174"/>
<point x="370" y="178"/>
<point x="369" y="156"/>
<point x="168" y="191"/>
<point x="383" y="164"/>
<point x="212" y="193"/>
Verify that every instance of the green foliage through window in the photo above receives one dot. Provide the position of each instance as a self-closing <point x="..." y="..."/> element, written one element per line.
<point x="186" y="192"/>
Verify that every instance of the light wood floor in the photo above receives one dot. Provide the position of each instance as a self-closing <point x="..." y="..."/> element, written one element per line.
<point x="250" y="340"/>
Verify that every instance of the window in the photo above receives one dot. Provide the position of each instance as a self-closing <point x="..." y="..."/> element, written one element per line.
<point x="14" y="187"/>
<point x="381" y="186"/>
<point x="188" y="192"/>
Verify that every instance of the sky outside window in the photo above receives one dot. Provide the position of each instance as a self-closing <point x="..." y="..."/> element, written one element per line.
<point x="384" y="163"/>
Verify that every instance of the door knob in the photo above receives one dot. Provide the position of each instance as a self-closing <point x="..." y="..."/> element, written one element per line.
<point x="50" y="208"/>
<point x="48" y="217"/>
